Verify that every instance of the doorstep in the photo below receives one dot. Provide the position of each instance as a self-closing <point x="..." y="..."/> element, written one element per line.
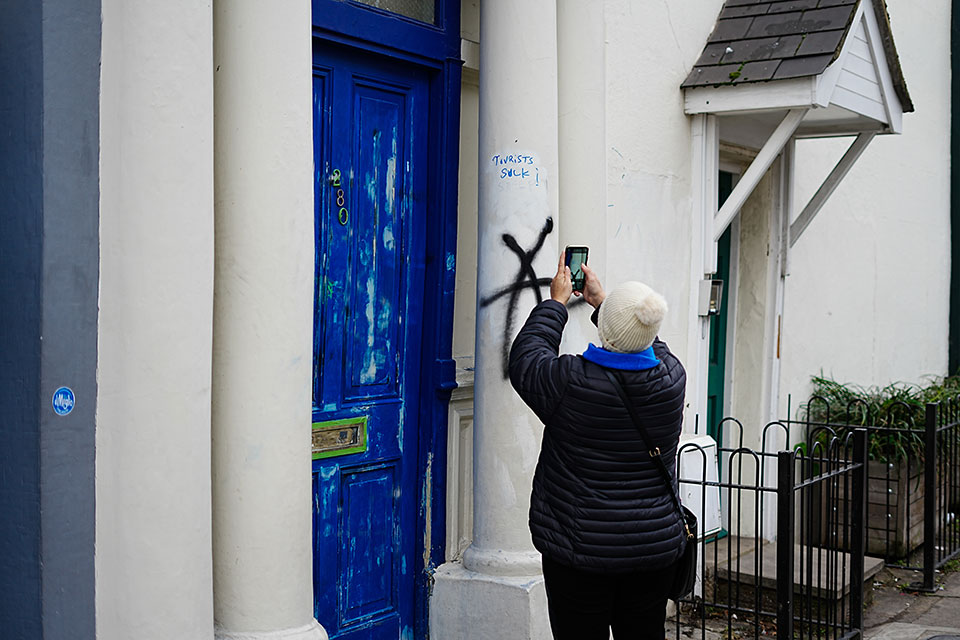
<point x="739" y="561"/>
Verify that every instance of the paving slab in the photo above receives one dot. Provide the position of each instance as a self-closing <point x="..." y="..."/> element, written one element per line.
<point x="901" y="615"/>
<point x="951" y="586"/>
<point x="907" y="631"/>
<point x="889" y="603"/>
<point x="945" y="613"/>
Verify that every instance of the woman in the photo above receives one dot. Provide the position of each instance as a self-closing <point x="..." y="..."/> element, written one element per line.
<point x="600" y="513"/>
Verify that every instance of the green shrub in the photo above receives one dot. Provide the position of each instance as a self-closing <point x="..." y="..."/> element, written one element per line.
<point x="898" y="406"/>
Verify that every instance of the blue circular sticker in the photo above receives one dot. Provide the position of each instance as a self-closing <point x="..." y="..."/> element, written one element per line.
<point x="63" y="401"/>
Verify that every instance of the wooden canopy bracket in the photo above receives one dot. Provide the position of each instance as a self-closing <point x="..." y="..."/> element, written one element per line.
<point x="754" y="173"/>
<point x="829" y="185"/>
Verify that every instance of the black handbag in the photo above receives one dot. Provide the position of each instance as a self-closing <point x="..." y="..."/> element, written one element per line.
<point x="686" y="575"/>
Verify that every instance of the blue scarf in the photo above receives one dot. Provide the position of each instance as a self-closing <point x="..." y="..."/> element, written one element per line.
<point x="623" y="361"/>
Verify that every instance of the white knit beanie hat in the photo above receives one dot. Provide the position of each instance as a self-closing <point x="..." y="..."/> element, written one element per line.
<point x="630" y="318"/>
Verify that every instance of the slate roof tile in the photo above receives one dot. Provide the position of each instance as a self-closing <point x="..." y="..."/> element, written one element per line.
<point x="805" y="66"/>
<point x="733" y="29"/>
<point x="822" y="42"/>
<point x="745" y="10"/>
<point x="712" y="54"/>
<point x="834" y="3"/>
<point x="829" y="18"/>
<point x="760" y="70"/>
<point x="761" y="48"/>
<point x="801" y="22"/>
<point x="775" y="25"/>
<point x="714" y="75"/>
<point x="792" y="5"/>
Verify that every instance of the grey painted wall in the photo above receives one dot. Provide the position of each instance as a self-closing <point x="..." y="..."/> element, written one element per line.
<point x="71" y="204"/>
<point x="49" y="260"/>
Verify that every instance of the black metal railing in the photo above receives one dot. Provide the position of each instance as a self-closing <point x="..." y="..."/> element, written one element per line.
<point x="912" y="505"/>
<point x="941" y="498"/>
<point x="828" y="486"/>
<point x="794" y="587"/>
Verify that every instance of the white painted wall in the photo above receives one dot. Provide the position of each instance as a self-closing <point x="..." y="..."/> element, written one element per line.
<point x="650" y="218"/>
<point x="652" y="213"/>
<point x="153" y="565"/>
<point x="868" y="292"/>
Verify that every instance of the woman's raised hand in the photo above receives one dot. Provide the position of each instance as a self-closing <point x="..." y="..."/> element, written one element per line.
<point x="593" y="291"/>
<point x="562" y="284"/>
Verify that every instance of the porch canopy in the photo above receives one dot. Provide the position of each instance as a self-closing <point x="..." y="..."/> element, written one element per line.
<point x="776" y="70"/>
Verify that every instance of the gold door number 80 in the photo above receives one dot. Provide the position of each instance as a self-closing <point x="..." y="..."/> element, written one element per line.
<point x="342" y="215"/>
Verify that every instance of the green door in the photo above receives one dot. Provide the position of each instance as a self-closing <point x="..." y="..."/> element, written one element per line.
<point x="718" y="325"/>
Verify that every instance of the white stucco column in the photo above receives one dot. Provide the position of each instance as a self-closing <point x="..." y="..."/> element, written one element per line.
<point x="498" y="590"/>
<point x="263" y="307"/>
<point x="518" y="197"/>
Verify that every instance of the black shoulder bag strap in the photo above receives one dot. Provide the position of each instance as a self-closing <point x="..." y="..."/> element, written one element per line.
<point x="651" y="448"/>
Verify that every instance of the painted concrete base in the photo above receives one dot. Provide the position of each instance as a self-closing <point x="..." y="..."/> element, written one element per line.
<point x="497" y="562"/>
<point x="466" y="605"/>
<point x="312" y="631"/>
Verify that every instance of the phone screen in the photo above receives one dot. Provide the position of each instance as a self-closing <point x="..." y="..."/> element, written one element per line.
<point x="575" y="257"/>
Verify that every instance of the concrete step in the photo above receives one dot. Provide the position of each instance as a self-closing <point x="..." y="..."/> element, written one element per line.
<point x="738" y="561"/>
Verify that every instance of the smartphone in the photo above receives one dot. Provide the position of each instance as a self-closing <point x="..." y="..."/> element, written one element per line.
<point x="575" y="256"/>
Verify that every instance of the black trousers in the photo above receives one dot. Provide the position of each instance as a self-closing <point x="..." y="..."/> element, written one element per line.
<point x="584" y="606"/>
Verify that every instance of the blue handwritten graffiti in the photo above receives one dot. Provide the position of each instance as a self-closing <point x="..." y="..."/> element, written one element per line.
<point x="514" y="173"/>
<point x="510" y="158"/>
<point x="517" y="166"/>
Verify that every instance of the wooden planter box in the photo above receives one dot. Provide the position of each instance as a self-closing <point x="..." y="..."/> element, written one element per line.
<point x="894" y="510"/>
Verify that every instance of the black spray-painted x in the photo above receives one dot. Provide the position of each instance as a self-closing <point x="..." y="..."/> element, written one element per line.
<point x="526" y="279"/>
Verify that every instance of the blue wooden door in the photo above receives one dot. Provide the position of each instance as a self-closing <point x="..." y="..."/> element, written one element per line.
<point x="370" y="123"/>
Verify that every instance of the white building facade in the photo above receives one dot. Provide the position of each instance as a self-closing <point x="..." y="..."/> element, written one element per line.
<point x="307" y="233"/>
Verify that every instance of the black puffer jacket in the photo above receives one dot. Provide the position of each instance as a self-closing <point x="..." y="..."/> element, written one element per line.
<point x="599" y="502"/>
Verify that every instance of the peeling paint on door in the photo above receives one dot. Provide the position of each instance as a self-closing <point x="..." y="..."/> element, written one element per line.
<point x="368" y="343"/>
